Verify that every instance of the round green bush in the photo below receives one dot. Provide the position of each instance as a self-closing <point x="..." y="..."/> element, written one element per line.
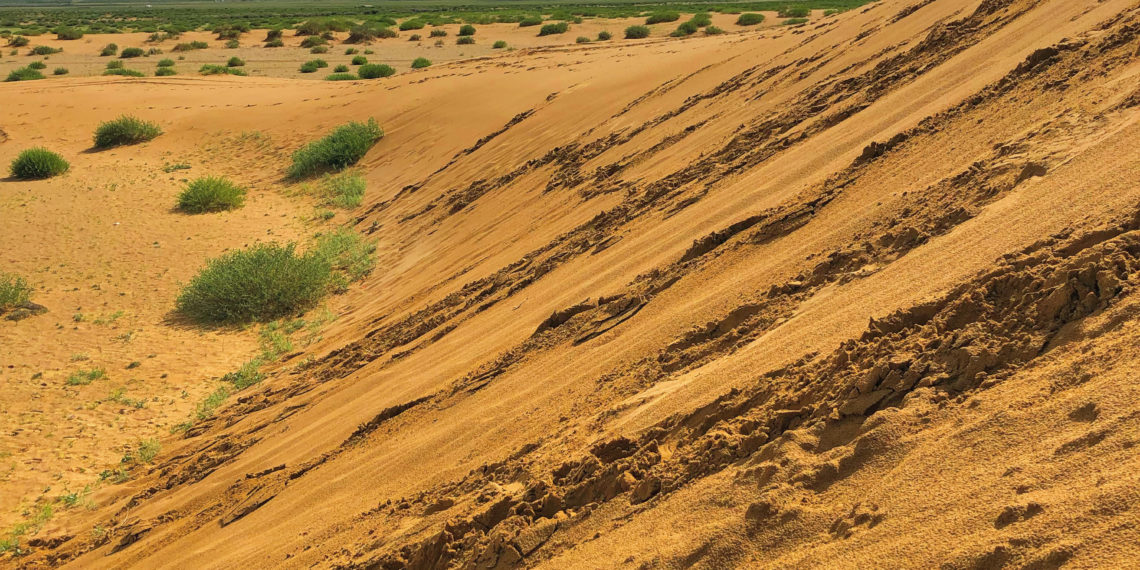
<point x="465" y="40"/>
<point x="359" y="60"/>
<point x="604" y="35"/>
<point x="38" y="162"/>
<point x="24" y="74"/>
<point x="60" y="71"/>
<point x="264" y="282"/>
<point x="125" y="130"/>
<point x="341" y="77"/>
<point x="210" y="194"/>
<point x="166" y="63"/>
<point x="582" y="40"/>
<point x="749" y="19"/>
<point x="466" y="30"/>
<point x="66" y="33"/>
<point x="530" y="21"/>
<point x="319" y="50"/>
<point x="235" y="62"/>
<point x="165" y="72"/>
<point x="342" y="68"/>
<point x="713" y="31"/>
<point x="421" y="62"/>
<point x="131" y="52"/>
<point x="37" y="65"/>
<point x="414" y="38"/>
<point x="636" y="32"/>
<point x="552" y="29"/>
<point x="115" y="64"/>
<point x="499" y="45"/>
<point x="109" y="49"/>
<point x="662" y="17"/>
<point x="375" y="71"/>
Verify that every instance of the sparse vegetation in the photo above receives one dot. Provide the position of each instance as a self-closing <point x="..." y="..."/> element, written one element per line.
<point x="45" y="50"/>
<point x="213" y="69"/>
<point x="465" y="40"/>
<point x="59" y="71"/>
<point x="530" y="21"/>
<point x="412" y="24"/>
<point x="165" y="72"/>
<point x="604" y="36"/>
<point x="341" y="76"/>
<point x="348" y="254"/>
<point x="125" y="130"/>
<point x="582" y="40"/>
<point x="115" y="64"/>
<point x="37" y="65"/>
<point x="109" y="50"/>
<point x="636" y="32"/>
<point x="795" y="21"/>
<point x="210" y="194"/>
<point x="343" y="190"/>
<point x="438" y="33"/>
<point x="421" y="62"/>
<point x="713" y="31"/>
<point x="83" y="377"/>
<point x="15" y="290"/>
<point x="499" y="44"/>
<point x="18" y="41"/>
<point x="794" y="12"/>
<point x="313" y="65"/>
<point x="190" y="46"/>
<point x="38" y="162"/>
<point x="343" y="147"/>
<point x="375" y="71"/>
<point x="319" y="50"/>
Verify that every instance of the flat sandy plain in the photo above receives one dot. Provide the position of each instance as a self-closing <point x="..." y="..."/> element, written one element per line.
<point x="860" y="293"/>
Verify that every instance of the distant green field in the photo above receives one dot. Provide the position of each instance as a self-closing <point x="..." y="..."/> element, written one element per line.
<point x="35" y="17"/>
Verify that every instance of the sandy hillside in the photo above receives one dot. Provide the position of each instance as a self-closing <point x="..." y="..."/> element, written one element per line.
<point x="855" y="294"/>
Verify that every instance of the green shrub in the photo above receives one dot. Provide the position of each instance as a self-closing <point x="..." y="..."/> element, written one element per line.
<point x="412" y="24"/>
<point x="313" y="65"/>
<point x="530" y="21"/>
<point x="749" y="19"/>
<point x="795" y="21"/>
<point x="499" y="45"/>
<point x="343" y="189"/>
<point x="60" y="71"/>
<point x="368" y="52"/>
<point x="662" y="17"/>
<point x="341" y="68"/>
<point x="551" y="29"/>
<point x="414" y="38"/>
<point x="213" y="69"/>
<point x="36" y="163"/>
<point x="108" y="50"/>
<point x="275" y="43"/>
<point x="116" y="64"/>
<point x="124" y="72"/>
<point x="165" y="63"/>
<point x="685" y="29"/>
<point x="313" y="41"/>
<point x="794" y="12"/>
<point x="131" y="52"/>
<point x="190" y="46"/>
<point x="604" y="36"/>
<point x="421" y="62"/>
<point x="18" y="41"/>
<point x="341" y="77"/>
<point x="636" y="32"/>
<point x="274" y="34"/>
<point x="210" y="194"/>
<point x="125" y="130"/>
<point x="235" y="61"/>
<point x="14" y="291"/>
<point x="44" y="50"/>
<point x="164" y="72"/>
<point x="319" y="50"/>
<point x="582" y="40"/>
<point x="233" y="44"/>
<point x="343" y="147"/>
<point x="438" y="33"/>
<point x="375" y="71"/>
<point x="466" y="30"/>
<point x="359" y="60"/>
<point x="37" y="65"/>
<point x="264" y="282"/>
<point x="701" y="20"/>
<point x="465" y="41"/>
<point x="67" y="33"/>
<point x="351" y="51"/>
<point x="368" y="31"/>
<point x="713" y="31"/>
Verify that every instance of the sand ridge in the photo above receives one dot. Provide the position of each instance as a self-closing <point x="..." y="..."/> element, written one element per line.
<point x="771" y="299"/>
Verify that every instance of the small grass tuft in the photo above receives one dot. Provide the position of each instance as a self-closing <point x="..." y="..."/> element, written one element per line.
<point x="84" y="377"/>
<point x="210" y="194"/>
<point x="24" y="74"/>
<point x="375" y="70"/>
<point x="421" y="62"/>
<point x="15" y="291"/>
<point x="552" y="29"/>
<point x="343" y="147"/>
<point x="38" y="162"/>
<point x="125" y="130"/>
<point x="749" y="19"/>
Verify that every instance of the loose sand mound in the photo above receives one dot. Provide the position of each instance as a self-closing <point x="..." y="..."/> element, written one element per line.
<point x="856" y="294"/>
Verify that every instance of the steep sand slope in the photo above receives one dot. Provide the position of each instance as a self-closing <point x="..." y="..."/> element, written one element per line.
<point x="856" y="294"/>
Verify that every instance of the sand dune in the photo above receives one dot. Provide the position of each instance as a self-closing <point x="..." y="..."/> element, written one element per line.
<point x="853" y="294"/>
